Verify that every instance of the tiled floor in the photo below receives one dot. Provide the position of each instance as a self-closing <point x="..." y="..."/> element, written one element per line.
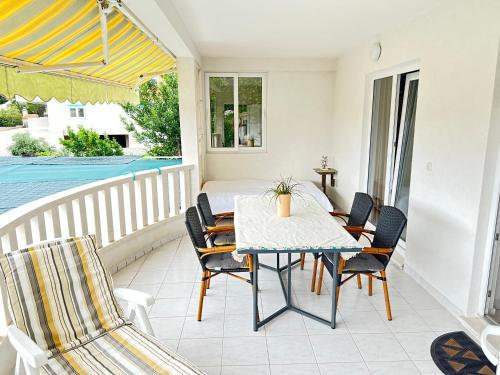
<point x="365" y="342"/>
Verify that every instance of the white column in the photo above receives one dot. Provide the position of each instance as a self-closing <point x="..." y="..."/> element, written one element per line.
<point x="191" y="121"/>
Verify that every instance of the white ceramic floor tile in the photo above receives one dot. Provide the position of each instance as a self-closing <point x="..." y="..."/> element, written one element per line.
<point x="201" y="352"/>
<point x="427" y="368"/>
<point x="393" y="368"/>
<point x="297" y="369"/>
<point x="210" y="326"/>
<point x="335" y="348"/>
<point x="167" y="328"/>
<point x="244" y="351"/>
<point x="380" y="347"/>
<point x="339" y="368"/>
<point x="245" y="370"/>
<point x="170" y="307"/>
<point x="285" y="350"/>
<point x="417" y="345"/>
<point x="289" y="323"/>
<point x="175" y="290"/>
<point x="240" y="326"/>
<point x="364" y="322"/>
<point x="224" y="342"/>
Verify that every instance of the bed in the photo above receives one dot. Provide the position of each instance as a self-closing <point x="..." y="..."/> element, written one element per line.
<point x="221" y="193"/>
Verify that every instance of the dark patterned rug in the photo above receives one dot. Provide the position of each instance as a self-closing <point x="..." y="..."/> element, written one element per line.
<point x="456" y="353"/>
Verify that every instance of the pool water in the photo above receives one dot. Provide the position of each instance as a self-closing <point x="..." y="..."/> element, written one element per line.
<point x="24" y="180"/>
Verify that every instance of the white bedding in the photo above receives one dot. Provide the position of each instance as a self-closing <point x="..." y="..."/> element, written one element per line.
<point x="221" y="193"/>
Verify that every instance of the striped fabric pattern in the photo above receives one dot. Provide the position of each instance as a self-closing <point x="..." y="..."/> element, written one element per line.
<point x="60" y="294"/>
<point x="51" y="32"/>
<point x="125" y="350"/>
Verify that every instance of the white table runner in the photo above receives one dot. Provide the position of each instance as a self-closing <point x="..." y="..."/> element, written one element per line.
<point x="310" y="227"/>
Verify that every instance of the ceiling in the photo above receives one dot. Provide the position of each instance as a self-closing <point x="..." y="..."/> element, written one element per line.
<point x="293" y="28"/>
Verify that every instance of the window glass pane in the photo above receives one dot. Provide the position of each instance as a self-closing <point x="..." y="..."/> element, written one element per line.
<point x="250" y="111"/>
<point x="379" y="137"/>
<point x="221" y="111"/>
<point x="80" y="112"/>
<point x="404" y="173"/>
<point x="72" y="112"/>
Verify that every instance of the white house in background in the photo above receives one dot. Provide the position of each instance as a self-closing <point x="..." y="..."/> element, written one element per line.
<point x="103" y="118"/>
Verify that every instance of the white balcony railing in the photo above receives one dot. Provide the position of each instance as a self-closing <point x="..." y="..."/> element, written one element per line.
<point x="111" y="209"/>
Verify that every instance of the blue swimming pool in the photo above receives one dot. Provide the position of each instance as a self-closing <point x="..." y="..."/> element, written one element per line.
<point x="24" y="180"/>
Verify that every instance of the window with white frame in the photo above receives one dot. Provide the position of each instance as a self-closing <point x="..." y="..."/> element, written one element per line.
<point x="235" y="111"/>
<point x="76" y="111"/>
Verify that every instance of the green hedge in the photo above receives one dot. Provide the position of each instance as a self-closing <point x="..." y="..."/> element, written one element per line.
<point x="10" y="117"/>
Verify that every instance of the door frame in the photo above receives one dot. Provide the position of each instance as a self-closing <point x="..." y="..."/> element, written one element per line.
<point x="415" y="76"/>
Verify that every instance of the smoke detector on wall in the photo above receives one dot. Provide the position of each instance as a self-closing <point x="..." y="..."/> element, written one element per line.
<point x="375" y="51"/>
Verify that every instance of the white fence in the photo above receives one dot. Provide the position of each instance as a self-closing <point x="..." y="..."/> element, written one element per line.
<point x="111" y="209"/>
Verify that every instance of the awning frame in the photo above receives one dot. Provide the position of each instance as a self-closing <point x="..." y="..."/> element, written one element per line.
<point x="105" y="8"/>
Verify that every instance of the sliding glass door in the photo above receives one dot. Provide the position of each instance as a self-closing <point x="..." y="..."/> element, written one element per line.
<point x="391" y="141"/>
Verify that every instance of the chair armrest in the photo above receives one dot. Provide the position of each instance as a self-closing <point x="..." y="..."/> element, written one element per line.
<point x="489" y="331"/>
<point x="134" y="296"/>
<point x="31" y="354"/>
<point x="352" y="229"/>
<point x="377" y="250"/>
<point x="334" y="213"/>
<point x="224" y="215"/>
<point x="214" y="250"/>
<point x="220" y="229"/>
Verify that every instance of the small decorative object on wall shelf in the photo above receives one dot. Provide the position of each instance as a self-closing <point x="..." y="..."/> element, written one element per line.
<point x="324" y="162"/>
<point x="282" y="193"/>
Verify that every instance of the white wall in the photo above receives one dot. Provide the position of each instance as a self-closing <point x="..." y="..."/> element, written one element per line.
<point x="299" y="120"/>
<point x="456" y="51"/>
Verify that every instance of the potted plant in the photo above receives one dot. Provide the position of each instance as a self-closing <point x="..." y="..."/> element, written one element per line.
<point x="282" y="193"/>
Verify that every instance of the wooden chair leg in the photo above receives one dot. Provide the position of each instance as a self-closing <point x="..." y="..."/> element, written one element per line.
<point x="340" y="269"/>
<point x="320" y="278"/>
<point x="302" y="260"/>
<point x="358" y="278"/>
<point x="370" y="284"/>
<point x="386" y="296"/>
<point x="208" y="281"/>
<point x="203" y="289"/>
<point x="313" y="278"/>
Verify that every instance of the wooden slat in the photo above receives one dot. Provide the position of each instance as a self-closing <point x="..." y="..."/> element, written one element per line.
<point x="109" y="215"/>
<point x="42" y="228"/>
<point x="133" y="205"/>
<point x="121" y="210"/>
<point x="154" y="198"/>
<point x="56" y="221"/>
<point x="83" y="215"/>
<point x="71" y="219"/>
<point x="175" y="193"/>
<point x="165" y="187"/>
<point x="97" y="218"/>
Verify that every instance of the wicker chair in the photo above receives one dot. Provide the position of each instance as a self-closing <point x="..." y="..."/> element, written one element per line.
<point x="221" y="221"/>
<point x="372" y="259"/>
<point x="360" y="210"/>
<point x="214" y="260"/>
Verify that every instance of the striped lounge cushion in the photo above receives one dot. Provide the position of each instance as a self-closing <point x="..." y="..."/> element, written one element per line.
<point x="60" y="294"/>
<point x="124" y="350"/>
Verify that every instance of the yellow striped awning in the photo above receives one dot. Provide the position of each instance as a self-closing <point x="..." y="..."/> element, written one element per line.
<point x="48" y="33"/>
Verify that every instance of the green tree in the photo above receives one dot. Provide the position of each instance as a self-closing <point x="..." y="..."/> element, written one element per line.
<point x="23" y="144"/>
<point x="155" y="120"/>
<point x="87" y="142"/>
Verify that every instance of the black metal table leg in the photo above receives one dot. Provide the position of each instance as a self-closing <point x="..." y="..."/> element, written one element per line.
<point x="255" y="291"/>
<point x="335" y="264"/>
<point x="289" y="283"/>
